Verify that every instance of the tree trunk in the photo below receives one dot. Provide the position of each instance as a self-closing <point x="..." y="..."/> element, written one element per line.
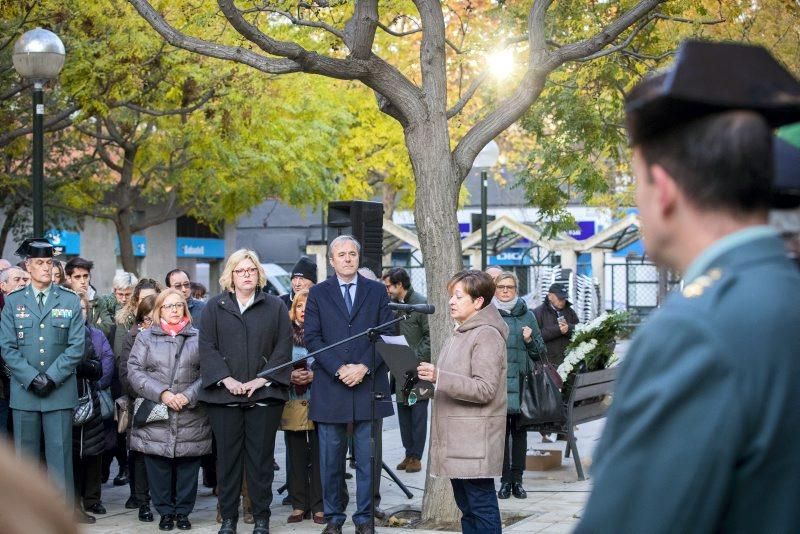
<point x="440" y="241"/>
<point x="124" y="234"/>
<point x="8" y="224"/>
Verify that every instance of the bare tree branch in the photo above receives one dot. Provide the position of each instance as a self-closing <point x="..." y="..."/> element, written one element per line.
<point x="164" y="113"/>
<point x="54" y="123"/>
<point x="296" y="20"/>
<point x="395" y="33"/>
<point x="624" y="44"/>
<point x="709" y="22"/>
<point x="458" y="106"/>
<point x="360" y="29"/>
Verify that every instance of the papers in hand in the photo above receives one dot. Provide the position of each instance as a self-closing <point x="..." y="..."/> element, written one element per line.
<point x="395" y="340"/>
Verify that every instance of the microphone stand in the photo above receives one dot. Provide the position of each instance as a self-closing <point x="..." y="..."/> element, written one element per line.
<point x="372" y="334"/>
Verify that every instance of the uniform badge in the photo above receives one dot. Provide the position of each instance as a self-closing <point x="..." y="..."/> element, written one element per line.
<point x="22" y="312"/>
<point x="61" y="313"/>
<point x="20" y="334"/>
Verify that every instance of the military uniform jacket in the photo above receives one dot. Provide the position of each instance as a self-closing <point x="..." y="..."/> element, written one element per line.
<point x="699" y="437"/>
<point x="50" y="341"/>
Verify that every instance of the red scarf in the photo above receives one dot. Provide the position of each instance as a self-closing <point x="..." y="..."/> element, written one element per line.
<point x="174" y="329"/>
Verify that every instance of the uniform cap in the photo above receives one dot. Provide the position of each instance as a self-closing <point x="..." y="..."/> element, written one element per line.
<point x="708" y="78"/>
<point x="36" y="247"/>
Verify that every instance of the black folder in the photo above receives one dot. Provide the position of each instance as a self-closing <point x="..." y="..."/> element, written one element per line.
<point x="403" y="363"/>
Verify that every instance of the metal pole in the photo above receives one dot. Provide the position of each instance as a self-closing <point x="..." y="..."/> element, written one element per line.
<point x="484" y="186"/>
<point x="38" y="160"/>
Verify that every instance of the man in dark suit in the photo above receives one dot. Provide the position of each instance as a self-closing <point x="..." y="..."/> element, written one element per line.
<point x="344" y="305"/>
<point x="697" y="439"/>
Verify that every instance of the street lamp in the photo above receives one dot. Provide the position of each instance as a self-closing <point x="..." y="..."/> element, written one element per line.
<point x="38" y="56"/>
<point x="486" y="158"/>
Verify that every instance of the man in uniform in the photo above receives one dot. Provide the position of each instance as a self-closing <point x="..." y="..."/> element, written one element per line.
<point x="697" y="439"/>
<point x="42" y="338"/>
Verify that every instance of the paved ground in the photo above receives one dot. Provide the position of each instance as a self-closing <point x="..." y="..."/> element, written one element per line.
<point x="555" y="498"/>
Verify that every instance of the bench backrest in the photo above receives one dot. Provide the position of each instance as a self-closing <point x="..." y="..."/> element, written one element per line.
<point x="587" y="400"/>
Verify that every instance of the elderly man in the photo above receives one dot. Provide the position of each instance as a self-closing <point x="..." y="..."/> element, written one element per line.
<point x="304" y="275"/>
<point x="12" y="279"/>
<point x="698" y="437"/>
<point x="556" y="320"/>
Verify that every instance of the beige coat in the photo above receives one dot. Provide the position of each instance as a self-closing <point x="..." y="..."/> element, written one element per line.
<point x="469" y="407"/>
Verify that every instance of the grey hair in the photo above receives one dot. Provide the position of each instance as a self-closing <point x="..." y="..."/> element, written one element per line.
<point x="5" y="274"/>
<point x="341" y="239"/>
<point x="367" y="273"/>
<point x="124" y="280"/>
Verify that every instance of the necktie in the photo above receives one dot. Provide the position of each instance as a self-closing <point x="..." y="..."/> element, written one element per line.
<point x="40" y="297"/>
<point x="348" y="300"/>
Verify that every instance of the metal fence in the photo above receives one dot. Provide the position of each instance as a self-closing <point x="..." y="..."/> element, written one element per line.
<point x="637" y="287"/>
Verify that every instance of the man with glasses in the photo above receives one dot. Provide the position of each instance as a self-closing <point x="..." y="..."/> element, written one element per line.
<point x="178" y="279"/>
<point x="42" y="341"/>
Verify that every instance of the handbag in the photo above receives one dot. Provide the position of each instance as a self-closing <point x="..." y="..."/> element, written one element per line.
<point x="541" y="397"/>
<point x="122" y="414"/>
<point x="295" y="416"/>
<point x="146" y="411"/>
<point x="85" y="408"/>
<point x="106" y="403"/>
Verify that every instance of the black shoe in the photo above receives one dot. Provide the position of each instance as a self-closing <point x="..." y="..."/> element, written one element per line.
<point x="98" y="509"/>
<point x="505" y="491"/>
<point x="379" y="514"/>
<point x="261" y="526"/>
<point x="122" y="478"/>
<point x="365" y="528"/>
<point x="518" y="491"/>
<point x="228" y="527"/>
<point x="167" y="522"/>
<point x="287" y="501"/>
<point x="182" y="522"/>
<point x="145" y="514"/>
<point x="131" y="503"/>
<point x="84" y="518"/>
<point x="348" y="476"/>
<point x="332" y="528"/>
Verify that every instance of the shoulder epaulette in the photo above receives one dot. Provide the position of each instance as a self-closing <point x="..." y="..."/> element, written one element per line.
<point x="701" y="283"/>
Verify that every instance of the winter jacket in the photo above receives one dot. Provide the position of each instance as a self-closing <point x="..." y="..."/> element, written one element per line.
<point x="556" y="342"/>
<point x="105" y="312"/>
<point x="469" y="407"/>
<point x="150" y="368"/>
<point x="89" y="438"/>
<point x="240" y="345"/>
<point x="521" y="355"/>
<point x="103" y="350"/>
<point x="122" y="361"/>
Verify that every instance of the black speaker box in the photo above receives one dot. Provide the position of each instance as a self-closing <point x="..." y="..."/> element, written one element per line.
<point x="364" y="221"/>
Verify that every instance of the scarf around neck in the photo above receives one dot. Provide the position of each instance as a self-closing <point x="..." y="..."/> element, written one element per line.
<point x="505" y="306"/>
<point x="174" y="329"/>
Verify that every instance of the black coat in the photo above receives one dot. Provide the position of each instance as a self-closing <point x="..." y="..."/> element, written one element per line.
<point x="554" y="340"/>
<point x="89" y="438"/>
<point x="241" y="345"/>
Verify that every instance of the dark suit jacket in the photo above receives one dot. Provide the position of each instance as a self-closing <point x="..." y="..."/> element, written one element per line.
<point x="699" y="437"/>
<point x="327" y="322"/>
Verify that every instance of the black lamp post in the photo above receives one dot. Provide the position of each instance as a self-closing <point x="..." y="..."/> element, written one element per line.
<point x="38" y="56"/>
<point x="486" y="158"/>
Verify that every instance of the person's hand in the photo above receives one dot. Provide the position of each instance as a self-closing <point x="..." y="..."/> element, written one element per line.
<point x="302" y="377"/>
<point x="356" y="374"/>
<point x="563" y="326"/>
<point x="428" y="372"/>
<point x="170" y="399"/>
<point x="253" y="385"/>
<point x="233" y="386"/>
<point x="42" y="385"/>
<point x="527" y="332"/>
<point x="181" y="399"/>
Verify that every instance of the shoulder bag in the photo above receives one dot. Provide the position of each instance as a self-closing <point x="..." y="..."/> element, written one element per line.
<point x="541" y="396"/>
<point x="85" y="408"/>
<point x="146" y="411"/>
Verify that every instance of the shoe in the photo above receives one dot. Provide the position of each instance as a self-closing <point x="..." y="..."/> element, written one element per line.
<point x="518" y="491"/>
<point x="296" y="516"/>
<point x="402" y="465"/>
<point x="287" y="501"/>
<point x="505" y="491"/>
<point x="122" y="478"/>
<point x="332" y="528"/>
<point x="546" y="438"/>
<point x="131" y="503"/>
<point x="379" y="514"/>
<point x="145" y="514"/>
<point x="319" y="518"/>
<point x="365" y="528"/>
<point x="98" y="509"/>
<point x="84" y="518"/>
<point x="413" y="466"/>
<point x="182" y="522"/>
<point x="228" y="527"/>
<point x="167" y="522"/>
<point x="248" y="518"/>
<point x="261" y="526"/>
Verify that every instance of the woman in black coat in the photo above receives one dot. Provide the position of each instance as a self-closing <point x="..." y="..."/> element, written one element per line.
<point x="244" y="331"/>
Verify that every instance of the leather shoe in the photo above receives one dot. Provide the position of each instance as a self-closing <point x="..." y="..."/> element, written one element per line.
<point x="98" y="509"/>
<point x="413" y="465"/>
<point x="228" y="527"/>
<point x="167" y="522"/>
<point x="296" y="516"/>
<point x="319" y="518"/>
<point x="402" y="465"/>
<point x="261" y="526"/>
<point x="145" y="514"/>
<point x="131" y="503"/>
<point x="84" y="518"/>
<point x="121" y="479"/>
<point x="332" y="528"/>
<point x="182" y="522"/>
<point x="505" y="491"/>
<point x="365" y="528"/>
<point x="518" y="491"/>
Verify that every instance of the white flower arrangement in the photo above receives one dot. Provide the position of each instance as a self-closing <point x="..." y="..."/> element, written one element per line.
<point x="575" y="356"/>
<point x="592" y="344"/>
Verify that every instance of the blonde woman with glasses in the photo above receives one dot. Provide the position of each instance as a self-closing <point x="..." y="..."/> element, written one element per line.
<point x="244" y="331"/>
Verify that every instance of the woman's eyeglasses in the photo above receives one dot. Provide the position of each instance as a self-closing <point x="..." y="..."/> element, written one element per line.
<point x="506" y="288"/>
<point x="246" y="272"/>
<point x="173" y="307"/>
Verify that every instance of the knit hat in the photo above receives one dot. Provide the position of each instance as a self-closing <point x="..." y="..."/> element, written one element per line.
<point x="305" y="268"/>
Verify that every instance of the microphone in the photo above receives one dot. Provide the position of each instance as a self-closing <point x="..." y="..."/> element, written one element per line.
<point x="427" y="309"/>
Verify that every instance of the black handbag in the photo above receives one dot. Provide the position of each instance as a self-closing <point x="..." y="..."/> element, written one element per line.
<point x="540" y="401"/>
<point x="85" y="408"/>
<point x="146" y="411"/>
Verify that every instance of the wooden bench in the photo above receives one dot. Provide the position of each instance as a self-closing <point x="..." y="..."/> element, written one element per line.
<point x="588" y="401"/>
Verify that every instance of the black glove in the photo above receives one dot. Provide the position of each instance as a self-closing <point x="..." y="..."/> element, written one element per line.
<point x="42" y="385"/>
<point x="89" y="369"/>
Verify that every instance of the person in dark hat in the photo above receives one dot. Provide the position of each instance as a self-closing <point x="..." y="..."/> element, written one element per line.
<point x="304" y="275"/>
<point x="42" y="342"/>
<point x="556" y="320"/>
<point x="697" y="436"/>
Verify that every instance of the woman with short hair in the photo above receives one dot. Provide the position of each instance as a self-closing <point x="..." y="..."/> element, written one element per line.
<point x="244" y="331"/>
<point x="469" y="408"/>
<point x="164" y="367"/>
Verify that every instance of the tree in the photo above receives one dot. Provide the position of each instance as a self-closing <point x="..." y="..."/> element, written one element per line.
<point x="418" y="103"/>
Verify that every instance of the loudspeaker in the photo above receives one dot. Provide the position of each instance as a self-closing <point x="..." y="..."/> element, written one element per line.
<point x="364" y="221"/>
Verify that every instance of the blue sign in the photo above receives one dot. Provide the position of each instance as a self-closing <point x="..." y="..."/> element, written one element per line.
<point x="511" y="256"/>
<point x="69" y="242"/>
<point x="464" y="228"/>
<point x="585" y="230"/>
<point x="139" y="243"/>
<point x="198" y="247"/>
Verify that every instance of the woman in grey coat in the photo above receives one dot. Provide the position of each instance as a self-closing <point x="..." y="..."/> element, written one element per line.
<point x="164" y="367"/>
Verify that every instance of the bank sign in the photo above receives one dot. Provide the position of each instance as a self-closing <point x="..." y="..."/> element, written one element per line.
<point x="197" y="247"/>
<point x="512" y="256"/>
